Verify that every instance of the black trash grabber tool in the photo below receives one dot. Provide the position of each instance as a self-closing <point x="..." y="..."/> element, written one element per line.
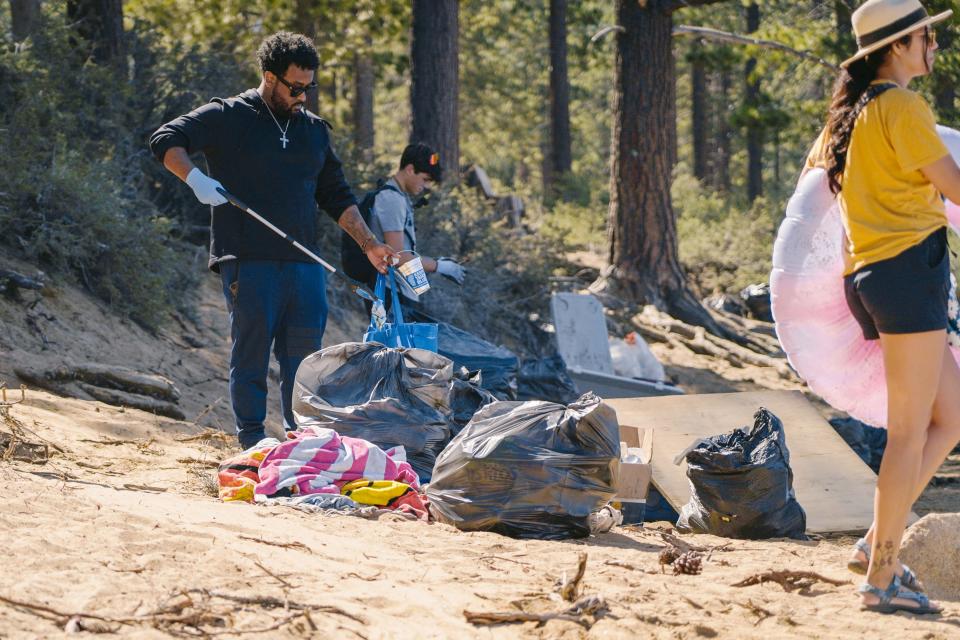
<point x="357" y="287"/>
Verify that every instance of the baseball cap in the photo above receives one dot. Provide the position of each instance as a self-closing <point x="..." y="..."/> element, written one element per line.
<point x="424" y="160"/>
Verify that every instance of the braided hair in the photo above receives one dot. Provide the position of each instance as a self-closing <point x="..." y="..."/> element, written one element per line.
<point x="850" y="95"/>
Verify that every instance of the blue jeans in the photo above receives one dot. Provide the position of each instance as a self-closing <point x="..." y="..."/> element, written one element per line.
<point x="271" y="302"/>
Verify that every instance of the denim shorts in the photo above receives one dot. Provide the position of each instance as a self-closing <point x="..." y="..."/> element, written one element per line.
<point x="903" y="294"/>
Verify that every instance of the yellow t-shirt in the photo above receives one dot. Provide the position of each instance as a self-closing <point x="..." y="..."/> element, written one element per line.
<point x="887" y="204"/>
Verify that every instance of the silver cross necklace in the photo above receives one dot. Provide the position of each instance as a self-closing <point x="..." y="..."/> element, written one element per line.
<point x="283" y="131"/>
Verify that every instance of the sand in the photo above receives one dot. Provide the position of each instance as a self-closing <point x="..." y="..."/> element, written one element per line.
<point x="121" y="524"/>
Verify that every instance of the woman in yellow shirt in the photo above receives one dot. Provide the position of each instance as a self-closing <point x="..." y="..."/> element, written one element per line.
<point x="889" y="168"/>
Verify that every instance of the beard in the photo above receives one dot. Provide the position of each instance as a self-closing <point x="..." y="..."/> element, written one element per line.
<point x="282" y="109"/>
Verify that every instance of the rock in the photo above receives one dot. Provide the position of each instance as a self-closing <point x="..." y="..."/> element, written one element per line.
<point x="930" y="548"/>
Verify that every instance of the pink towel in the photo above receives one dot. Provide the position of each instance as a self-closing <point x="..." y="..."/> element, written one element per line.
<point x="317" y="460"/>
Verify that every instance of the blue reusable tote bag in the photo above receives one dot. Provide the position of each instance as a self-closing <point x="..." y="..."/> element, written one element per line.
<point x="412" y="335"/>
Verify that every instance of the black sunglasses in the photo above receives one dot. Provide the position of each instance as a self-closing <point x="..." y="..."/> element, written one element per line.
<point x="295" y="91"/>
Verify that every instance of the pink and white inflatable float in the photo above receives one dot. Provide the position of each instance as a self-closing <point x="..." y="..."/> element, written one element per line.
<point x="820" y="336"/>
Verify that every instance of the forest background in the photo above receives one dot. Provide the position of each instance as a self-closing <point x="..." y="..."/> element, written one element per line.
<point x="83" y="83"/>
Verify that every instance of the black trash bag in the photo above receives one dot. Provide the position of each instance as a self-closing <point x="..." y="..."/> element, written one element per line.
<point x="546" y="379"/>
<point x="741" y="485"/>
<point x="497" y="365"/>
<point x="867" y="442"/>
<point x="756" y="297"/>
<point x="386" y="396"/>
<point x="529" y="469"/>
<point x="466" y="397"/>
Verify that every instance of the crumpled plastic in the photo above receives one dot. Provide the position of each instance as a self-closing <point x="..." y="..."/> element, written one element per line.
<point x="741" y="484"/>
<point x="387" y="396"/>
<point x="529" y="469"/>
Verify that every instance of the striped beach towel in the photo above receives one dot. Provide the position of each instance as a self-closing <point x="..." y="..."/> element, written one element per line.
<point x="318" y="460"/>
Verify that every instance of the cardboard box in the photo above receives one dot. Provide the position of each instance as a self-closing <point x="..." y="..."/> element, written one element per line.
<point x="633" y="478"/>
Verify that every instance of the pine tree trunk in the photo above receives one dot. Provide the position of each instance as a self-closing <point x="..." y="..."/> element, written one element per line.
<point x="723" y="133"/>
<point x="700" y="116"/>
<point x="434" y="90"/>
<point x="24" y="18"/>
<point x="559" y="159"/>
<point x="305" y="23"/>
<point x="944" y="91"/>
<point x="754" y="129"/>
<point x="644" y="263"/>
<point x="99" y="25"/>
<point x="845" y="45"/>
<point x="363" y="85"/>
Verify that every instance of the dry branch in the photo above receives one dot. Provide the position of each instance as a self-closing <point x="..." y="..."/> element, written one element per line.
<point x="587" y="606"/>
<point x="570" y="588"/>
<point x="724" y="36"/>
<point x="790" y="580"/>
<point x="273" y="575"/>
<point x="285" y="545"/>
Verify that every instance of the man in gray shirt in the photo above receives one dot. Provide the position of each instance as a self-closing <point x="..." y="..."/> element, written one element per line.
<point x="391" y="218"/>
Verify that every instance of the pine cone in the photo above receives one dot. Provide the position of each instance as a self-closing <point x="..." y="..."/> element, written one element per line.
<point x="669" y="554"/>
<point x="690" y="563"/>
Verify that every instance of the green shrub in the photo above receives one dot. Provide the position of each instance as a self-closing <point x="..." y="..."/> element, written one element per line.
<point x="75" y="174"/>
<point x="724" y="244"/>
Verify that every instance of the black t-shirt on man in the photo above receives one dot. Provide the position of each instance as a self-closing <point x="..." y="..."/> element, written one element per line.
<point x="242" y="145"/>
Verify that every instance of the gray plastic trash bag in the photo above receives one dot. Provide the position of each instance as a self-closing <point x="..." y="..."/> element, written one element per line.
<point x="741" y="484"/>
<point x="529" y="469"/>
<point x="386" y="396"/>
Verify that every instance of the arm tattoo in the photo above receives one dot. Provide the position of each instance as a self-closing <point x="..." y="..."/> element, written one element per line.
<point x="352" y="222"/>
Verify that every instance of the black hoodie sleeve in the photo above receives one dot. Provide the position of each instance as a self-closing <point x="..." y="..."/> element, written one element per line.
<point x="333" y="194"/>
<point x="196" y="131"/>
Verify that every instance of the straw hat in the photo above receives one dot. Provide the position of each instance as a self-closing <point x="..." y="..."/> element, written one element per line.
<point x="877" y="23"/>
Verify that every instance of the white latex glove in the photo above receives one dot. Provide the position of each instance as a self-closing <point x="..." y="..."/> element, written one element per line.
<point x="205" y="187"/>
<point x="450" y="269"/>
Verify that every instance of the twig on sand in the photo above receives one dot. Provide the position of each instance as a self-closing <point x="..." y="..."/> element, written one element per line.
<point x="761" y="613"/>
<point x="189" y="611"/>
<point x="274" y="576"/>
<point x="624" y="565"/>
<point x="143" y="487"/>
<point x="110" y="441"/>
<point x="790" y="580"/>
<point x="527" y="564"/>
<point x="285" y="545"/>
<point x="209" y="434"/>
<point x="207" y="409"/>
<point x="569" y="589"/>
<point x="213" y="464"/>
<point x="586" y="606"/>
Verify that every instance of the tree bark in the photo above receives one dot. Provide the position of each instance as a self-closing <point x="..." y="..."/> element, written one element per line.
<point x="99" y="25"/>
<point x="700" y="116"/>
<point x="754" y="129"/>
<point x="560" y="158"/>
<point x="24" y="18"/>
<point x="305" y="22"/>
<point x="643" y="260"/>
<point x="434" y="72"/>
<point x="724" y="135"/>
<point x="363" y="85"/>
<point x="845" y="45"/>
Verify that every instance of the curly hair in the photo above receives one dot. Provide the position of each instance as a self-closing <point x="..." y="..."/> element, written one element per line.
<point x="282" y="49"/>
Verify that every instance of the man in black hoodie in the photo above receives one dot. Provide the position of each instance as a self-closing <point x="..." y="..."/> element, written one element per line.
<point x="268" y="150"/>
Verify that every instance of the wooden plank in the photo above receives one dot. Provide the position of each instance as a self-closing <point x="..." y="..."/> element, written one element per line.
<point x="832" y="484"/>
